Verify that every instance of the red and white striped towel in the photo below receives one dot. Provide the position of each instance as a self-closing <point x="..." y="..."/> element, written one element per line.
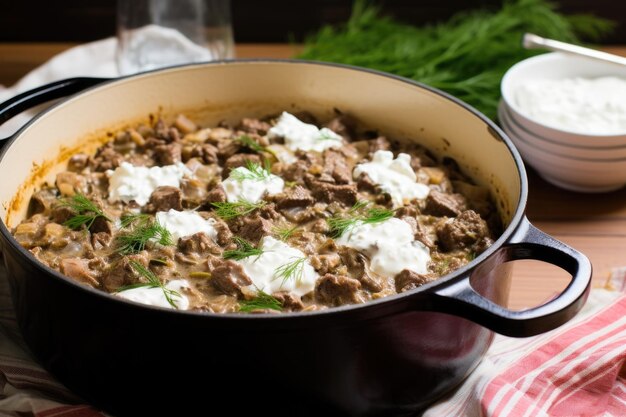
<point x="573" y="371"/>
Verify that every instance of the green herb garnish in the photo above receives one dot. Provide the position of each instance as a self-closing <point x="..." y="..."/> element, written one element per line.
<point x="326" y="135"/>
<point x="465" y="56"/>
<point x="244" y="250"/>
<point x="359" y="205"/>
<point x="128" y="219"/>
<point x="153" y="282"/>
<point x="250" y="143"/>
<point x="87" y="211"/>
<point x="340" y="225"/>
<point x="229" y="211"/>
<point x="284" y="232"/>
<point x="262" y="301"/>
<point x="291" y="270"/>
<point x="255" y="172"/>
<point x="136" y="240"/>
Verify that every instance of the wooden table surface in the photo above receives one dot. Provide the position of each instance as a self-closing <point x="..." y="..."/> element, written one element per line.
<point x="592" y="223"/>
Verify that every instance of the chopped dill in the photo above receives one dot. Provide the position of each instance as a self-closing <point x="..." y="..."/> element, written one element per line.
<point x="340" y="225"/>
<point x="128" y="219"/>
<point x="290" y="184"/>
<point x="229" y="211"/>
<point x="262" y="301"/>
<point x="136" y="240"/>
<point x="153" y="282"/>
<point x="249" y="143"/>
<point x="255" y="172"/>
<point x="291" y="270"/>
<point x="284" y="232"/>
<point x="359" y="205"/>
<point x="244" y="250"/>
<point x="87" y="211"/>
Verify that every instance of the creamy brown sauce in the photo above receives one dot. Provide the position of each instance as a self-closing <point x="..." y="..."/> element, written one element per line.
<point x="454" y="223"/>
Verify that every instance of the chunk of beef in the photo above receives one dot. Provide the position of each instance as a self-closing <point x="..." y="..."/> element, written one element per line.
<point x="70" y="183"/>
<point x="106" y="158"/>
<point x="122" y="273"/>
<point x="462" y="231"/>
<point x="379" y="144"/>
<point x="289" y="301"/>
<point x="42" y="200"/>
<point x="269" y="212"/>
<point x="78" y="269"/>
<point x="165" y="198"/>
<point x="297" y="196"/>
<point x="168" y="154"/>
<point x="254" y="228"/>
<point x="365" y="183"/>
<point x="229" y="277"/>
<point x="216" y="195"/>
<point x="423" y="236"/>
<point x="101" y="240"/>
<point x="296" y="171"/>
<point x="325" y="263"/>
<point x="345" y="194"/>
<point x="227" y="148"/>
<point x="409" y="280"/>
<point x="101" y="225"/>
<point x="240" y="160"/>
<point x="358" y="267"/>
<point x="444" y="204"/>
<point x="336" y="165"/>
<point x="77" y="162"/>
<point x="343" y="125"/>
<point x="61" y="213"/>
<point x="224" y="235"/>
<point x="198" y="243"/>
<point x="337" y="290"/>
<point x="205" y="151"/>
<point x="254" y="126"/>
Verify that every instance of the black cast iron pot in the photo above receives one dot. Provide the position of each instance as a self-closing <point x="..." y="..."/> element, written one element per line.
<point x="392" y="356"/>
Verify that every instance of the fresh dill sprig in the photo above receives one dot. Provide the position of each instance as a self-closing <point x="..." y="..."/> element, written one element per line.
<point x="262" y="301"/>
<point x="136" y="240"/>
<point x="255" y="172"/>
<point x="465" y="56"/>
<point x="359" y="205"/>
<point x="284" y="232"/>
<point x="340" y="225"/>
<point x="87" y="211"/>
<point x="291" y="270"/>
<point x="153" y="282"/>
<point x="251" y="144"/>
<point x="229" y="211"/>
<point x="248" y="142"/>
<point x="128" y="219"/>
<point x="244" y="250"/>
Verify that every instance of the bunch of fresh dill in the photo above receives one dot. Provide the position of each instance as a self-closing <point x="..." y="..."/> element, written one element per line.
<point x="466" y="56"/>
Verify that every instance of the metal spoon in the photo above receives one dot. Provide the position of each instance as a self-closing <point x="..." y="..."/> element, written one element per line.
<point x="532" y="41"/>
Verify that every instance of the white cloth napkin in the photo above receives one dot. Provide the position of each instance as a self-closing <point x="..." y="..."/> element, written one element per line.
<point x="95" y="59"/>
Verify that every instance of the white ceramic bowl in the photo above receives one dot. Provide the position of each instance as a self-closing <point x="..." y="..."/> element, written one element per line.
<point x="557" y="66"/>
<point x="519" y="133"/>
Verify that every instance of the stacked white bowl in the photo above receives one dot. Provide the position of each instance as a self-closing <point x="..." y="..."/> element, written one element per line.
<point x="567" y="156"/>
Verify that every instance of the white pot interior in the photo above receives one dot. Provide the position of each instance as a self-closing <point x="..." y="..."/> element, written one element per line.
<point x="230" y="91"/>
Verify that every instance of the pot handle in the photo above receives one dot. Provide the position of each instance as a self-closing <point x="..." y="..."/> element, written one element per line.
<point x="459" y="298"/>
<point x="24" y="101"/>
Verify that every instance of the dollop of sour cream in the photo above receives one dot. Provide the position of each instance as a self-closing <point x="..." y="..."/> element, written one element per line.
<point x="156" y="297"/>
<point x="241" y="184"/>
<point x="265" y="270"/>
<point x="303" y="136"/>
<point x="128" y="182"/>
<point x="591" y="106"/>
<point x="390" y="245"/>
<point x="394" y="176"/>
<point x="185" y="223"/>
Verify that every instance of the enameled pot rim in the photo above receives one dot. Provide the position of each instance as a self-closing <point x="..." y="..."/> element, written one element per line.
<point x="374" y="308"/>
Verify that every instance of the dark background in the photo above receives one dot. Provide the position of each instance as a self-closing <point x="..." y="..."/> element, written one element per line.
<point x="253" y="20"/>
